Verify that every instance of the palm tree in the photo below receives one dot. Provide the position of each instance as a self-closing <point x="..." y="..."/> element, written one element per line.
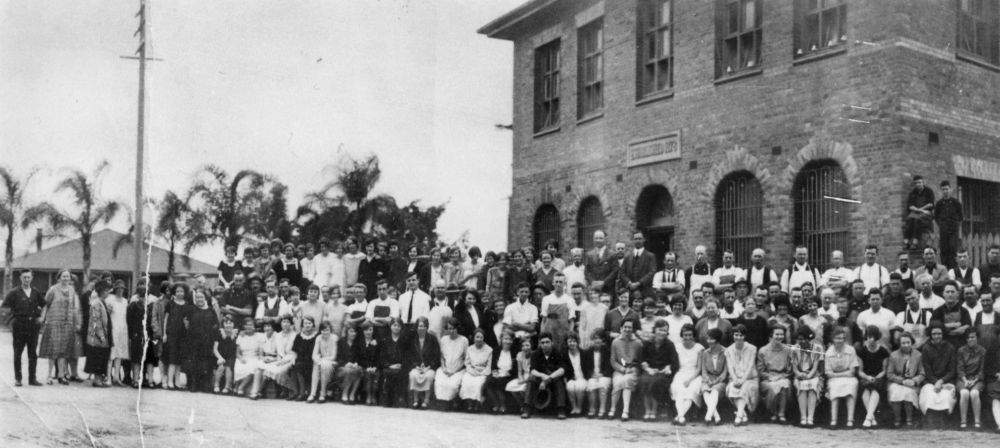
<point x="12" y="207"/>
<point x="223" y="208"/>
<point x="171" y="225"/>
<point x="88" y="210"/>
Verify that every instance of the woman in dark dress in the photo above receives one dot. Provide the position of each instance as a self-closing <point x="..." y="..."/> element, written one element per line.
<point x="871" y="377"/>
<point x="659" y="364"/>
<point x="423" y="357"/>
<point x="138" y="342"/>
<point x="367" y="351"/>
<point x="177" y="310"/>
<point x="203" y="330"/>
<point x="756" y="326"/>
<point x="349" y="366"/>
<point x="504" y="370"/>
<point x="98" y="343"/>
<point x="303" y="347"/>
<point x="391" y="360"/>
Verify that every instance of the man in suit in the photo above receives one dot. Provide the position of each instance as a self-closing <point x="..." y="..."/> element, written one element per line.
<point x="638" y="267"/>
<point x="371" y="269"/>
<point x="598" y="260"/>
<point x="611" y="284"/>
<point x="27" y="309"/>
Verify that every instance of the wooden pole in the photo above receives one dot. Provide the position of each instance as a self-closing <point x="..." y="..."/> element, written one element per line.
<point x="137" y="235"/>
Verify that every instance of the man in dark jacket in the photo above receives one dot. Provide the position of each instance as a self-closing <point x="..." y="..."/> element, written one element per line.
<point x="549" y="369"/>
<point x="27" y="308"/>
<point x="919" y="213"/>
<point x="948" y="215"/>
<point x="638" y="267"/>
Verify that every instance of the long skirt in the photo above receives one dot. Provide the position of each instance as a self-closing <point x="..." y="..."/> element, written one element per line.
<point x="516" y="385"/>
<point x="97" y="360"/>
<point x="245" y="369"/>
<point x="692" y="392"/>
<point x="421" y="381"/>
<point x="656" y="385"/>
<point x="840" y="387"/>
<point x="943" y="400"/>
<point x="899" y="392"/>
<point x="771" y="390"/>
<point x="749" y="391"/>
<point x="393" y="386"/>
<point x="472" y="387"/>
<point x="446" y="386"/>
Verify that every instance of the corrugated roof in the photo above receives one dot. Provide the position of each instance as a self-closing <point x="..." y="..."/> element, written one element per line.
<point x="70" y="255"/>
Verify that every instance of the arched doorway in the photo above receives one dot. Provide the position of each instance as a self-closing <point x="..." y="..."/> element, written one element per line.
<point x="822" y="209"/>
<point x="654" y="215"/>
<point x="546" y="227"/>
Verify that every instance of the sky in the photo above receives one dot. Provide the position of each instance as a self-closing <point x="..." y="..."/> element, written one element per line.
<point x="286" y="88"/>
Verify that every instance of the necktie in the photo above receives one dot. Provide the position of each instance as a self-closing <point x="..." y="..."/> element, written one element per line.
<point x="409" y="313"/>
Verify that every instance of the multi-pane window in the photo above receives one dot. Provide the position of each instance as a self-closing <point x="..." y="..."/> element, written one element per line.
<point x="739" y="217"/>
<point x="980" y="206"/>
<point x="738" y="33"/>
<point x="977" y="29"/>
<point x="590" y="71"/>
<point x="822" y="210"/>
<point x="547" y="86"/>
<point x="546" y="227"/>
<point x="589" y="219"/>
<point x="656" y="46"/>
<point x="819" y="25"/>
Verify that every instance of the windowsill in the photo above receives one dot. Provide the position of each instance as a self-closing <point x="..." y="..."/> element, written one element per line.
<point x="820" y="54"/>
<point x="545" y="132"/>
<point x="975" y="59"/>
<point x="739" y="75"/>
<point x="654" y="97"/>
<point x="589" y="117"/>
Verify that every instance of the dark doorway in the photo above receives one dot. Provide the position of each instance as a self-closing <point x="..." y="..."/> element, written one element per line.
<point x="659" y="241"/>
<point x="654" y="215"/>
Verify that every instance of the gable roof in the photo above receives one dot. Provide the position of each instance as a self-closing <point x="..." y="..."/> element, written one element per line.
<point x="69" y="255"/>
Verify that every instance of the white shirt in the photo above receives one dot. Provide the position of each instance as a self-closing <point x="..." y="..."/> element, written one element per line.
<point x="988" y="318"/>
<point x="931" y="303"/>
<point x="883" y="319"/>
<point x="796" y="275"/>
<point x="722" y="271"/>
<point x="438" y="314"/>
<point x="956" y="274"/>
<point x="974" y="310"/>
<point x="377" y="302"/>
<point x="832" y="312"/>
<point x="421" y="305"/>
<point x="874" y="276"/>
<point x="756" y="276"/>
<point x="328" y="270"/>
<point x="553" y="299"/>
<point x="737" y="311"/>
<point x="574" y="360"/>
<point x="575" y="274"/>
<point x="308" y="268"/>
<point x="662" y="278"/>
<point x="518" y="313"/>
<point x="270" y="303"/>
<point x="839" y="275"/>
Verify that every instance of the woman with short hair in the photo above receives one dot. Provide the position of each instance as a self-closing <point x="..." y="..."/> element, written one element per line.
<point x="806" y="359"/>
<point x="686" y="387"/>
<point x="423" y="359"/>
<point x="713" y="374"/>
<point x="969" y="383"/>
<point x="774" y="365"/>
<point x="448" y="379"/>
<point x="872" y="374"/>
<point x="905" y="371"/>
<point x="626" y="357"/>
<point x="596" y="363"/>
<point x="939" y="358"/>
<point x="478" y="363"/>
<point x="300" y="375"/>
<point x="659" y="365"/>
<point x="841" y="369"/>
<point x="576" y="384"/>
<point x="97" y="347"/>
<point x="741" y="368"/>
<point x="504" y="369"/>
<point x="391" y="359"/>
<point x="368" y="354"/>
<point x="519" y="385"/>
<point x="348" y="360"/>
<point x="247" y="371"/>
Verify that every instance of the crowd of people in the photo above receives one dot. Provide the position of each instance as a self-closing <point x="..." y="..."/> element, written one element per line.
<point x="576" y="336"/>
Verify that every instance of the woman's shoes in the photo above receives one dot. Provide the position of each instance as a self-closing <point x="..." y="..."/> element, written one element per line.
<point x="867" y="423"/>
<point x="849" y="424"/>
<point x="977" y="425"/>
<point x="322" y="399"/>
<point x="64" y="381"/>
<point x="76" y="379"/>
<point x="962" y="425"/>
<point x="624" y="416"/>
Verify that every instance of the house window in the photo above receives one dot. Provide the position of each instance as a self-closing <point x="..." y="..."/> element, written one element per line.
<point x="546" y="227"/>
<point x="590" y="73"/>
<point x="819" y="25"/>
<point x="739" y="216"/>
<point x="738" y="34"/>
<point x="822" y="217"/>
<point x="589" y="219"/>
<point x="980" y="206"/>
<point x="977" y="29"/>
<point x="656" y="46"/>
<point x="547" y="86"/>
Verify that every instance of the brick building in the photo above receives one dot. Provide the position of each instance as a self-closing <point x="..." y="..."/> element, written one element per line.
<point x="732" y="123"/>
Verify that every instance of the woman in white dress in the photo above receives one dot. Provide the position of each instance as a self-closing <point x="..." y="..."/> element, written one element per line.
<point x="448" y="378"/>
<point x="478" y="362"/>
<point x="518" y="386"/>
<point x="677" y="319"/>
<point x="686" y="386"/>
<point x="246" y="371"/>
<point x="841" y="368"/>
<point x="278" y="355"/>
<point x="118" y="307"/>
<point x="806" y="359"/>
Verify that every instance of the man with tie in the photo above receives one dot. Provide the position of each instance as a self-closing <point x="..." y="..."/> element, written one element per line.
<point x="27" y="309"/>
<point x="670" y="279"/>
<point x="638" y="267"/>
<point x="598" y="263"/>
<point x="413" y="304"/>
<point x="611" y="284"/>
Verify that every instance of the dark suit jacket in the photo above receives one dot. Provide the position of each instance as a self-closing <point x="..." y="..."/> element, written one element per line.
<point x="587" y="362"/>
<point x="467" y="326"/>
<point x="429" y="354"/>
<point x="613" y="281"/>
<point x="598" y="267"/>
<point x="513" y="359"/>
<point x="370" y="271"/>
<point x="557" y="360"/>
<point x="638" y="270"/>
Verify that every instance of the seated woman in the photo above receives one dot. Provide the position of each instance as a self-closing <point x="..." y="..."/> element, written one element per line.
<point x="774" y="365"/>
<point x="302" y="347"/>
<point x="324" y="361"/>
<point x="938" y="392"/>
<point x="349" y="361"/>
<point x="448" y="378"/>
<point x="596" y="364"/>
<point x="991" y="376"/>
<point x="905" y="372"/>
<point x="626" y="358"/>
<point x="247" y="371"/>
<point x="423" y="358"/>
<point x="713" y="374"/>
<point x="368" y="355"/>
<point x="686" y="387"/>
<point x="806" y="359"/>
<point x="841" y="369"/>
<point x="969" y="383"/>
<point x="275" y="359"/>
<point x="519" y="385"/>
<point x="504" y="369"/>
<point x="478" y="363"/>
<point x="741" y="367"/>
<point x="390" y="359"/>
<point x="284" y="340"/>
<point x="576" y="381"/>
<point x="659" y="364"/>
<point x="872" y="373"/>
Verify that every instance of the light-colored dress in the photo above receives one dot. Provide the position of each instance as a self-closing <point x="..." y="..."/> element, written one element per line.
<point x="62" y="318"/>
<point x="446" y="385"/>
<point x="675" y="325"/>
<point x="817" y="325"/>
<point x="806" y="361"/>
<point x="478" y="363"/>
<point x="118" y="306"/>
<point x="591" y="318"/>
<point x="902" y="367"/>
<point x="838" y="361"/>
<point x="742" y="366"/>
<point x="280" y="346"/>
<point x="248" y="351"/>
<point x="520" y="384"/>
<point x="690" y="369"/>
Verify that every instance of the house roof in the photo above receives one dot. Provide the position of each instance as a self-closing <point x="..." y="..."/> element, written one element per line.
<point x="499" y="28"/>
<point x="69" y="255"/>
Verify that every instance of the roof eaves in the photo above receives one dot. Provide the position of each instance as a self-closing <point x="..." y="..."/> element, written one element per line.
<point x="497" y="28"/>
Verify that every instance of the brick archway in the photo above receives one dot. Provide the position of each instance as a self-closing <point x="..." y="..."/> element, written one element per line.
<point x="822" y="149"/>
<point x="735" y="160"/>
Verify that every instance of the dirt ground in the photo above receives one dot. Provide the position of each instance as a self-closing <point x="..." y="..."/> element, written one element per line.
<point x="183" y="419"/>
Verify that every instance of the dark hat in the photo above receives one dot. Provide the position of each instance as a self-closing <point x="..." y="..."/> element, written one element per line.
<point x="540" y="285"/>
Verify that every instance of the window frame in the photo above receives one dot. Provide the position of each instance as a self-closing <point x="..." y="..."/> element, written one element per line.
<point x="585" y="229"/>
<point x="980" y="206"/>
<point x="983" y="23"/>
<point x="540" y="231"/>
<point x="649" y="17"/>
<point x="739" y="205"/>
<point x="590" y="92"/>
<point x="724" y="35"/>
<point x="819" y="223"/>
<point x="806" y="33"/>
<point x="547" y="85"/>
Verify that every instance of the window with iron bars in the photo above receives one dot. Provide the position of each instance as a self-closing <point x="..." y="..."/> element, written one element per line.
<point x="546" y="226"/>
<point x="977" y="33"/>
<point x="739" y="217"/>
<point x="590" y="70"/>
<point x="547" y="86"/>
<point x="822" y="216"/>
<point x="656" y="47"/>
<point x="589" y="219"/>
<point x="980" y="206"/>
<point x="819" y="25"/>
<point x="738" y="36"/>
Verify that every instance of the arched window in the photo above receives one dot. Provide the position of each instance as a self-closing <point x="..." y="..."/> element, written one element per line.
<point x="589" y="219"/>
<point x="822" y="210"/>
<point x="546" y="226"/>
<point x="739" y="217"/>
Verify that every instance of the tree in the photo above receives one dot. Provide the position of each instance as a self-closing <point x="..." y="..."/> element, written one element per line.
<point x="87" y="212"/>
<point x="273" y="222"/>
<point x="172" y="225"/>
<point x="12" y="208"/>
<point x="223" y="208"/>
